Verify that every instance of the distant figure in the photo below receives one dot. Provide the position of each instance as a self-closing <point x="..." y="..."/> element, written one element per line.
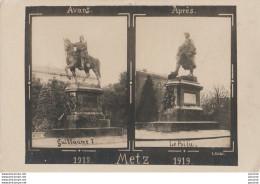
<point x="186" y="56"/>
<point x="82" y="51"/>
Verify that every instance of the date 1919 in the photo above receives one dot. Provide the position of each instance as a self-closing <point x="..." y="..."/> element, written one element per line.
<point x="81" y="160"/>
<point x="181" y="161"/>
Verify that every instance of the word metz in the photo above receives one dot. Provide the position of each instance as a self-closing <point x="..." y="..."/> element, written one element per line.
<point x="122" y="159"/>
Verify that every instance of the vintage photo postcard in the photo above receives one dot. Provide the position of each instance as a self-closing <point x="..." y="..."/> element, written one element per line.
<point x="151" y="85"/>
<point x="106" y="80"/>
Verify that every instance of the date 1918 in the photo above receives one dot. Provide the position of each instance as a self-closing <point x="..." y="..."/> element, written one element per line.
<point x="81" y="160"/>
<point x="181" y="161"/>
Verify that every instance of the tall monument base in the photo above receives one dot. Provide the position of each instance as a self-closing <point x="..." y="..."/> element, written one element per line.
<point x="182" y="100"/>
<point x="182" y="108"/>
<point x="83" y="116"/>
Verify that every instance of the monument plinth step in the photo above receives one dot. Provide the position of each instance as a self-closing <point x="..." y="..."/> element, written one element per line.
<point x="173" y="76"/>
<point x="71" y="87"/>
<point x="175" y="126"/>
<point x="84" y="132"/>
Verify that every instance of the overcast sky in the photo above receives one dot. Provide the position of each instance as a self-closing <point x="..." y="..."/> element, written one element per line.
<point x="106" y="38"/>
<point x="158" y="40"/>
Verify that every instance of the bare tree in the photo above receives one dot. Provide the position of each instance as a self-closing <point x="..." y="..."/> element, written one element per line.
<point x="214" y="99"/>
<point x="216" y="104"/>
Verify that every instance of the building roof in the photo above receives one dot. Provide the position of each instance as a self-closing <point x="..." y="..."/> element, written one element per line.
<point x="54" y="71"/>
<point x="154" y="75"/>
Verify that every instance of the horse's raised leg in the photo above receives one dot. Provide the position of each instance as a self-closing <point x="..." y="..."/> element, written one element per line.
<point x="74" y="74"/>
<point x="70" y="66"/>
<point x="67" y="74"/>
<point x="97" y="75"/>
<point x="87" y="74"/>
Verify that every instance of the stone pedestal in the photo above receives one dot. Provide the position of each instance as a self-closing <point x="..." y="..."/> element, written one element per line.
<point x="84" y="106"/>
<point x="83" y="114"/>
<point x="182" y="110"/>
<point x="182" y="100"/>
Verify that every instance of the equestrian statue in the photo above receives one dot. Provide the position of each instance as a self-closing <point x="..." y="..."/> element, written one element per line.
<point x="80" y="59"/>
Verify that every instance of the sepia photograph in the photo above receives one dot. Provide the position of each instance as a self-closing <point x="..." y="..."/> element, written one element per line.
<point x="139" y="85"/>
<point x="79" y="77"/>
<point x="129" y="86"/>
<point x="183" y="82"/>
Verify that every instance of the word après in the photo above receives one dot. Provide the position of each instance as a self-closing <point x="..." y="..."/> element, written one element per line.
<point x="73" y="10"/>
<point x="180" y="11"/>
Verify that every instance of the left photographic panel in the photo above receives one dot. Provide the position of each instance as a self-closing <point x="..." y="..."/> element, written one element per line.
<point x="77" y="99"/>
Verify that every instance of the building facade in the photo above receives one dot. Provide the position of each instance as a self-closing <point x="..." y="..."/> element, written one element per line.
<point x="159" y="83"/>
<point x="44" y="74"/>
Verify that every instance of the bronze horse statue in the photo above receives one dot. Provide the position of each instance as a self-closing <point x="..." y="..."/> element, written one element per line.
<point x="73" y="62"/>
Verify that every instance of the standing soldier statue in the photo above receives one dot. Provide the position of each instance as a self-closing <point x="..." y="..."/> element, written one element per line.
<point x="82" y="52"/>
<point x="185" y="57"/>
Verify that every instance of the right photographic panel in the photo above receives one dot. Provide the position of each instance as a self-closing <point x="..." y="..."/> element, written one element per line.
<point x="183" y="82"/>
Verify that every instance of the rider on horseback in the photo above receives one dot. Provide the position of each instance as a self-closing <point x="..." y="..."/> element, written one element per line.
<point x="80" y="57"/>
<point x="82" y="52"/>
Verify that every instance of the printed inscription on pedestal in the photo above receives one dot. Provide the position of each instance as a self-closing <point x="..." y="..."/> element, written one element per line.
<point x="189" y="98"/>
